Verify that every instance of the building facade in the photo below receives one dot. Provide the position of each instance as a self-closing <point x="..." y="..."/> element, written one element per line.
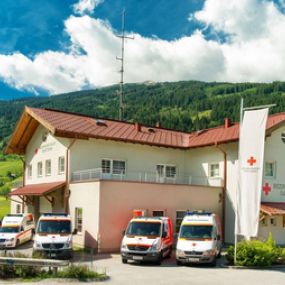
<point x="101" y="170"/>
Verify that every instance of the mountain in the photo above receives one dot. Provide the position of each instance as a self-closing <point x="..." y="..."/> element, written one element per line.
<point x="185" y="105"/>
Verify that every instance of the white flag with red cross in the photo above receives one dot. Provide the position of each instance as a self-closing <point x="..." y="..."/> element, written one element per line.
<point x="251" y="153"/>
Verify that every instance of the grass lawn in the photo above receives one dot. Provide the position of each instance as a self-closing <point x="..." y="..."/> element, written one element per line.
<point x="15" y="166"/>
<point x="4" y="207"/>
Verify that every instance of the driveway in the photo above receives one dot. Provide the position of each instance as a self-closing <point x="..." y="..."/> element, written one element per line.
<point x="170" y="273"/>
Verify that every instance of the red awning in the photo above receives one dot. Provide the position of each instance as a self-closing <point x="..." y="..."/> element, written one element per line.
<point x="273" y="208"/>
<point x="37" y="189"/>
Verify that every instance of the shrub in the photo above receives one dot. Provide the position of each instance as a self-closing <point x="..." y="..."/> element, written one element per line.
<point x="80" y="272"/>
<point x="255" y="253"/>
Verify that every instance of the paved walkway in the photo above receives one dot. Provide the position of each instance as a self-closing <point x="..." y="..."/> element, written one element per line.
<point x="168" y="274"/>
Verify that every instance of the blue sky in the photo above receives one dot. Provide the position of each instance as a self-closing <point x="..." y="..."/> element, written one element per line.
<point x="51" y="47"/>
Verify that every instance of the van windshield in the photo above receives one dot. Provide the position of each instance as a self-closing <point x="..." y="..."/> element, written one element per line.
<point x="54" y="227"/>
<point x="144" y="229"/>
<point x="193" y="232"/>
<point x="9" y="230"/>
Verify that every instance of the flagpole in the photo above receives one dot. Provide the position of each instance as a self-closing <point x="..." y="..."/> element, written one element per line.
<point x="236" y="218"/>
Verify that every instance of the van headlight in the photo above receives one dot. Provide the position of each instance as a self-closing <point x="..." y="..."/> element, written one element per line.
<point x="68" y="244"/>
<point x="123" y="246"/>
<point x="10" y="239"/>
<point x="179" y="252"/>
<point x="156" y="244"/>
<point x="209" y="252"/>
<point x="37" y="245"/>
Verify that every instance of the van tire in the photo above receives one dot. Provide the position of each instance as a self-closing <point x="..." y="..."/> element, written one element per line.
<point x="124" y="260"/>
<point x="17" y="243"/>
<point x="219" y="254"/>
<point x="178" y="262"/>
<point x="159" y="260"/>
<point x="169" y="254"/>
<point x="214" y="262"/>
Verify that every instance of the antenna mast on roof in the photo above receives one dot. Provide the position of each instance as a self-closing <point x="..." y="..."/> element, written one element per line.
<point x="121" y="93"/>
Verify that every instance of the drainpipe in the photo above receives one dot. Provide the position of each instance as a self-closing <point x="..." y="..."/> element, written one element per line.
<point x="224" y="188"/>
<point x="24" y="181"/>
<point x="66" y="190"/>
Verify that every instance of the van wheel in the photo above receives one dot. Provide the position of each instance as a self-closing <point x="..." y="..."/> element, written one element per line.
<point x="169" y="254"/>
<point x="17" y="243"/>
<point x="219" y="254"/>
<point x="178" y="262"/>
<point x="214" y="262"/>
<point x="124" y="260"/>
<point x="159" y="260"/>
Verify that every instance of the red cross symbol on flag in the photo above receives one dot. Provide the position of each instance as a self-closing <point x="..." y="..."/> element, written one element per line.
<point x="266" y="189"/>
<point x="251" y="161"/>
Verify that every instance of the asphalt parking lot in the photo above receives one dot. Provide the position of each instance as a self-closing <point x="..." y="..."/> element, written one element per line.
<point x="168" y="272"/>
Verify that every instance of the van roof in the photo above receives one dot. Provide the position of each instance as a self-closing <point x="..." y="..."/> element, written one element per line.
<point x="199" y="218"/>
<point x="150" y="219"/>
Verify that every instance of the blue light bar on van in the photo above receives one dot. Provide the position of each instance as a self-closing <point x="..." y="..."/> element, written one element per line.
<point x="189" y="213"/>
<point x="55" y="214"/>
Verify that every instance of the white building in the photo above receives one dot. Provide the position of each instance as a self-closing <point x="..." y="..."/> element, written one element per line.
<point x="101" y="170"/>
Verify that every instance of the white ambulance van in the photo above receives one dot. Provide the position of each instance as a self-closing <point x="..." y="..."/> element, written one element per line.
<point x="53" y="237"/>
<point x="16" y="229"/>
<point x="147" y="239"/>
<point x="199" y="239"/>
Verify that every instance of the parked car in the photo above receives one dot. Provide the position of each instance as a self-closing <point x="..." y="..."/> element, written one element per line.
<point x="16" y="229"/>
<point x="53" y="237"/>
<point x="147" y="239"/>
<point x="199" y="239"/>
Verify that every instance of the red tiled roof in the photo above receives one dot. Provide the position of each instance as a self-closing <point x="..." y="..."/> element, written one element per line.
<point x="83" y="127"/>
<point x="37" y="189"/>
<point x="273" y="208"/>
<point x="72" y="125"/>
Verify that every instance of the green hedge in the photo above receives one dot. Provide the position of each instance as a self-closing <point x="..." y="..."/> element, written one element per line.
<point x="256" y="253"/>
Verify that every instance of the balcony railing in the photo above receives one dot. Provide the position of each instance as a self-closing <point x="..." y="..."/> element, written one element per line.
<point x="146" y="177"/>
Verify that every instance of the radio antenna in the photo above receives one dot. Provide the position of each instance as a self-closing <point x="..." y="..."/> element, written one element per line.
<point x="121" y="92"/>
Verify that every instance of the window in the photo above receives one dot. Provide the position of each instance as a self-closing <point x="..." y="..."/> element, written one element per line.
<point x="119" y="167"/>
<point x="179" y="217"/>
<point x="106" y="166"/>
<point x="214" y="170"/>
<point x="166" y="171"/>
<point x="61" y="165"/>
<point x="78" y="219"/>
<point x="264" y="221"/>
<point x="273" y="222"/>
<point x="113" y="166"/>
<point x="48" y="167"/>
<point x="18" y="208"/>
<point x="158" y="213"/>
<point x="40" y="169"/>
<point x="269" y="169"/>
<point x="30" y="171"/>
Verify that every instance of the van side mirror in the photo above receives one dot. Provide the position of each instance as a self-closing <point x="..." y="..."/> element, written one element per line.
<point x="218" y="237"/>
<point x="164" y="235"/>
<point x="123" y="232"/>
<point x="33" y="231"/>
<point x="74" y="232"/>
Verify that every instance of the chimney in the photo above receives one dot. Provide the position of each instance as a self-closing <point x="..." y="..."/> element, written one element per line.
<point x="138" y="127"/>
<point x="227" y="123"/>
<point x="158" y="124"/>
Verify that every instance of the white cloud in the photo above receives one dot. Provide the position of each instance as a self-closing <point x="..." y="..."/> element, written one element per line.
<point x="254" y="51"/>
<point x="86" y="6"/>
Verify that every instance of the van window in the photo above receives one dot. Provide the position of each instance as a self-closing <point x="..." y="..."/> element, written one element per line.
<point x="53" y="227"/>
<point x="9" y="229"/>
<point x="193" y="231"/>
<point x="144" y="229"/>
<point x="179" y="217"/>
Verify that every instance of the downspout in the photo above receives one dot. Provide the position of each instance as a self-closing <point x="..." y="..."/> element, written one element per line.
<point x="66" y="190"/>
<point x="24" y="181"/>
<point x="224" y="189"/>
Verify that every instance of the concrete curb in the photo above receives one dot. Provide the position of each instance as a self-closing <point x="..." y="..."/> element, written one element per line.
<point x="253" y="267"/>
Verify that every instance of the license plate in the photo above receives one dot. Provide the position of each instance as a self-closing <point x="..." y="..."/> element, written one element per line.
<point x="137" y="258"/>
<point x="53" y="255"/>
<point x="193" y="259"/>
